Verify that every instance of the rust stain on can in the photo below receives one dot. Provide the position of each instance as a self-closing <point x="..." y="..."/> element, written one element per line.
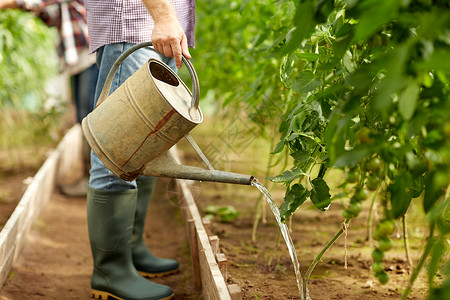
<point x="158" y="126"/>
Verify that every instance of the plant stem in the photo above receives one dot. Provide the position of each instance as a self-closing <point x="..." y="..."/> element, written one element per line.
<point x="428" y="247"/>
<point x="405" y="241"/>
<point x="370" y="219"/>
<point x="319" y="256"/>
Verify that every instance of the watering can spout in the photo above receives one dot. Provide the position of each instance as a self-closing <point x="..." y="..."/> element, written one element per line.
<point x="165" y="165"/>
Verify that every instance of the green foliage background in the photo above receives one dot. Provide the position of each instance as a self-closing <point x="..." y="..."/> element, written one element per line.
<point x="27" y="61"/>
<point x="358" y="85"/>
<point x="27" y="57"/>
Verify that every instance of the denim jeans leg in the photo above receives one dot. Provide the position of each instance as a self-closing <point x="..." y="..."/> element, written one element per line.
<point x="100" y="177"/>
<point x="84" y="84"/>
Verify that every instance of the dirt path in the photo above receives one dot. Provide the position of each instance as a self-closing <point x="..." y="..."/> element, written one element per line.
<point x="56" y="260"/>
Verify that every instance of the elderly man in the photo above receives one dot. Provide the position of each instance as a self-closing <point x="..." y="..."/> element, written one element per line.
<point x="117" y="208"/>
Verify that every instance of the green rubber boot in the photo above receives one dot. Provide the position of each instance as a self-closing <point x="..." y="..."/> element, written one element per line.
<point x="110" y="223"/>
<point x="145" y="262"/>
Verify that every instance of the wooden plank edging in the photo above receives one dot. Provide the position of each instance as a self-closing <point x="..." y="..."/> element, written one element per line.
<point x="213" y="282"/>
<point x="37" y="194"/>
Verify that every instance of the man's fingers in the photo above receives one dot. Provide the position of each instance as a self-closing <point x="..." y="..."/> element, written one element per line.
<point x="184" y="47"/>
<point x="171" y="46"/>
<point x="167" y="50"/>
<point x="176" y="50"/>
<point x="157" y="47"/>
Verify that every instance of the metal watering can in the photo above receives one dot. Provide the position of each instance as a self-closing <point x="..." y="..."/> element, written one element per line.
<point x="132" y="129"/>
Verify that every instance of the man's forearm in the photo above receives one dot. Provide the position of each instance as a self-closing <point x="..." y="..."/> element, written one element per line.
<point x="5" y="4"/>
<point x="160" y="10"/>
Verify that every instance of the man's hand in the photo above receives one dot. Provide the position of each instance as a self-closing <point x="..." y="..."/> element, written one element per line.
<point x="169" y="39"/>
<point x="168" y="36"/>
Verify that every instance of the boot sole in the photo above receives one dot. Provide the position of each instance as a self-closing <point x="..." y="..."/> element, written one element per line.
<point x="108" y="296"/>
<point x="156" y="275"/>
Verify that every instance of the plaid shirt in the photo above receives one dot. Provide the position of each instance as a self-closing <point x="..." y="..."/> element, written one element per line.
<point x="69" y="16"/>
<point x="115" y="21"/>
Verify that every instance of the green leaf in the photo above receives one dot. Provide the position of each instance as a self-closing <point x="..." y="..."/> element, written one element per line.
<point x="435" y="184"/>
<point x="408" y="100"/>
<point x="279" y="147"/>
<point x="352" y="157"/>
<point x="310" y="56"/>
<point x="335" y="134"/>
<point x="348" y="62"/>
<point x="320" y="194"/>
<point x="341" y="45"/>
<point x="287" y="176"/>
<point x="400" y="198"/>
<point x="395" y="64"/>
<point x="301" y="155"/>
<point x="439" y="249"/>
<point x="417" y="186"/>
<point x="305" y="82"/>
<point x="375" y="13"/>
<point x="438" y="60"/>
<point x="304" y="25"/>
<point x="225" y="213"/>
<point x="295" y="196"/>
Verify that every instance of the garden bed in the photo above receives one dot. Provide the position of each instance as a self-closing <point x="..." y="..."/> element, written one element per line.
<point x="263" y="269"/>
<point x="56" y="257"/>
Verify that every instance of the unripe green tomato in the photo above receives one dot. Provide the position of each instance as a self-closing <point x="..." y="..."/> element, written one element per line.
<point x="447" y="129"/>
<point x="387" y="227"/>
<point x="381" y="172"/>
<point x="385" y="244"/>
<point x="346" y="214"/>
<point x="363" y="135"/>
<point x="361" y="194"/>
<point x="372" y="182"/>
<point x="377" y="255"/>
<point x="383" y="277"/>
<point x="377" y="267"/>
<point x="354" y="208"/>
<point x="377" y="235"/>
<point x="351" y="177"/>
<point x="373" y="165"/>
<point x="440" y="180"/>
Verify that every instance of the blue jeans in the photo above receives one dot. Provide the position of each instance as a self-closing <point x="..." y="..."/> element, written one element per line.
<point x="84" y="84"/>
<point x="101" y="178"/>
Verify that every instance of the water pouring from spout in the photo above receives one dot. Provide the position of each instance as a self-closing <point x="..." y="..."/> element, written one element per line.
<point x="303" y="290"/>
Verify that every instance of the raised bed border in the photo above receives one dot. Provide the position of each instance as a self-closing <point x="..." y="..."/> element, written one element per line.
<point x="209" y="265"/>
<point x="36" y="195"/>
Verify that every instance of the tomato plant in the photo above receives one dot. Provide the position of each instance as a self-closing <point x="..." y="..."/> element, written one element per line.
<point x="352" y="85"/>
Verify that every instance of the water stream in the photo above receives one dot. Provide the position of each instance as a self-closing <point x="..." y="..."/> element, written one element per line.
<point x="302" y="287"/>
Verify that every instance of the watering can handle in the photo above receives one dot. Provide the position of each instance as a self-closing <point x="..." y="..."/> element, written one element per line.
<point x="108" y="82"/>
